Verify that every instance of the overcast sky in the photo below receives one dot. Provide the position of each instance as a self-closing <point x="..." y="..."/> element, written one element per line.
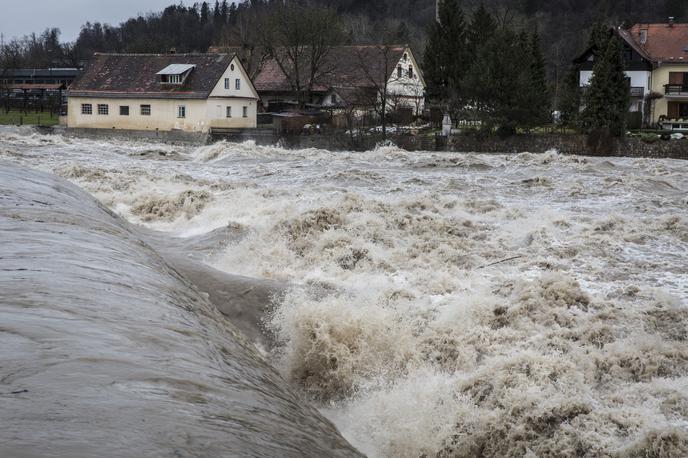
<point x="21" y="17"/>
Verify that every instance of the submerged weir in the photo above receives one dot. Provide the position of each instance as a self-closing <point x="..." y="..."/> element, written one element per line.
<point x="108" y="351"/>
<point x="428" y="304"/>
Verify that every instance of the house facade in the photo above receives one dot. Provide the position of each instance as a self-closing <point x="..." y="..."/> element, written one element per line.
<point x="352" y="78"/>
<point x="637" y="67"/>
<point x="656" y="65"/>
<point x="667" y="47"/>
<point x="165" y="92"/>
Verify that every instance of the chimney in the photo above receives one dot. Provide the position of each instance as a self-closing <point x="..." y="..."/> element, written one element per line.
<point x="671" y="21"/>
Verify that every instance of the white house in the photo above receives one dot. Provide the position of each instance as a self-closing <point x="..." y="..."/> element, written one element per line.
<point x="187" y="92"/>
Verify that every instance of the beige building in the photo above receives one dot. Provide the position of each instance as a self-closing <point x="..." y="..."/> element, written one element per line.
<point x="666" y="46"/>
<point x="186" y="92"/>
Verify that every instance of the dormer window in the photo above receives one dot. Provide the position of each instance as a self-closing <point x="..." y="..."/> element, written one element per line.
<point x="175" y="74"/>
<point x="643" y="37"/>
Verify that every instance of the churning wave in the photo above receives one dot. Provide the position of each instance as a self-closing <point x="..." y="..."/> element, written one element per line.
<point x="108" y="351"/>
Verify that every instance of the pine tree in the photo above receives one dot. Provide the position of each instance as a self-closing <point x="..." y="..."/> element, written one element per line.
<point x="599" y="36"/>
<point x="445" y="54"/>
<point x="608" y="96"/>
<point x="480" y="29"/>
<point x="539" y="103"/>
<point x="570" y="99"/>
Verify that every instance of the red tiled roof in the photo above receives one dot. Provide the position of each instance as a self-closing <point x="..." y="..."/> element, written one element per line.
<point x="665" y="43"/>
<point x="354" y="66"/>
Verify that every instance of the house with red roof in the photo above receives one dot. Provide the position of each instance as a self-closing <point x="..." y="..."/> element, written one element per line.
<point x="656" y="66"/>
<point x="351" y="78"/>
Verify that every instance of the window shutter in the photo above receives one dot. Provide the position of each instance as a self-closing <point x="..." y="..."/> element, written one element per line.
<point x="675" y="77"/>
<point x="672" y="112"/>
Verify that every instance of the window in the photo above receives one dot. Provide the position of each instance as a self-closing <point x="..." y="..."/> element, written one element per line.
<point x="102" y="109"/>
<point x="86" y="108"/>
<point x="124" y="110"/>
<point x="174" y="79"/>
<point x="405" y="57"/>
<point x="399" y="70"/>
<point x="244" y="112"/>
<point x="181" y="111"/>
<point x="231" y="67"/>
<point x="226" y="83"/>
<point x="411" y="73"/>
<point x="145" y="110"/>
<point x="237" y="84"/>
<point x="229" y="112"/>
<point x="334" y="99"/>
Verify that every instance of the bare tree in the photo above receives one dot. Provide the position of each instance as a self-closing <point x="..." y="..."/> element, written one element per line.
<point x="244" y="38"/>
<point x="378" y="66"/>
<point x="300" y="40"/>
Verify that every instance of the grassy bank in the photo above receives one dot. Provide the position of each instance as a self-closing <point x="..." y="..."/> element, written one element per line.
<point x="17" y="117"/>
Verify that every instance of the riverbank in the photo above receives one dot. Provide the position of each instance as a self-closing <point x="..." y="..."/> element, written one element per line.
<point x="18" y="118"/>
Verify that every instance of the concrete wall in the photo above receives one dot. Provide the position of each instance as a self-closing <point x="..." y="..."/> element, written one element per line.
<point x="201" y="115"/>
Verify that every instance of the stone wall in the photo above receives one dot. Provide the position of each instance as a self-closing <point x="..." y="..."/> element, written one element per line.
<point x="341" y="141"/>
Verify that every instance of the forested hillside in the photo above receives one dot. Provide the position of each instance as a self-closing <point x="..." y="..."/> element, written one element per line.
<point x="563" y="26"/>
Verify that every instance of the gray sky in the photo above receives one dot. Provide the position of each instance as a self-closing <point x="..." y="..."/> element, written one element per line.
<point x="21" y="17"/>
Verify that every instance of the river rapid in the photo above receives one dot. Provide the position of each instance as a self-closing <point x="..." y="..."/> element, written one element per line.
<point x="435" y="304"/>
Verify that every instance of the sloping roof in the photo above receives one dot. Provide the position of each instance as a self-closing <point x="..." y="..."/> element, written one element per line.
<point x="626" y="36"/>
<point x="136" y="76"/>
<point x="665" y="42"/>
<point x="355" y="66"/>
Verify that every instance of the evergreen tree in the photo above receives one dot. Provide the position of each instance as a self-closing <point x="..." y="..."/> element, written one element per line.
<point x="205" y="13"/>
<point x="494" y="82"/>
<point x="480" y="29"/>
<point x="570" y="100"/>
<point x="445" y="54"/>
<point x="608" y="96"/>
<point x="599" y="36"/>
<point x="537" y="88"/>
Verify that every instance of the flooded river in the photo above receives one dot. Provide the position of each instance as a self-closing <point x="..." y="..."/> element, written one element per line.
<point x="428" y="304"/>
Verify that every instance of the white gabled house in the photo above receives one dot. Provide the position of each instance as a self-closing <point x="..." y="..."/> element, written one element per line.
<point x="186" y="92"/>
<point x="353" y="77"/>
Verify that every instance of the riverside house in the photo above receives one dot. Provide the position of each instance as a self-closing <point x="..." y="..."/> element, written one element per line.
<point x="165" y="92"/>
<point x="656" y="65"/>
<point x="350" y="78"/>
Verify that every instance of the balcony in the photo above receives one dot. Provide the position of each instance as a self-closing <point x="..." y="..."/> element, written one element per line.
<point x="680" y="90"/>
<point x="637" y="91"/>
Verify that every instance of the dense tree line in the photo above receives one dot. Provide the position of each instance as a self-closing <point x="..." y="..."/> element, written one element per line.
<point x="562" y="24"/>
<point x="485" y="67"/>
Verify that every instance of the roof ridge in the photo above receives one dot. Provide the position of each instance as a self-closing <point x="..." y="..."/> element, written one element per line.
<point x="136" y="54"/>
